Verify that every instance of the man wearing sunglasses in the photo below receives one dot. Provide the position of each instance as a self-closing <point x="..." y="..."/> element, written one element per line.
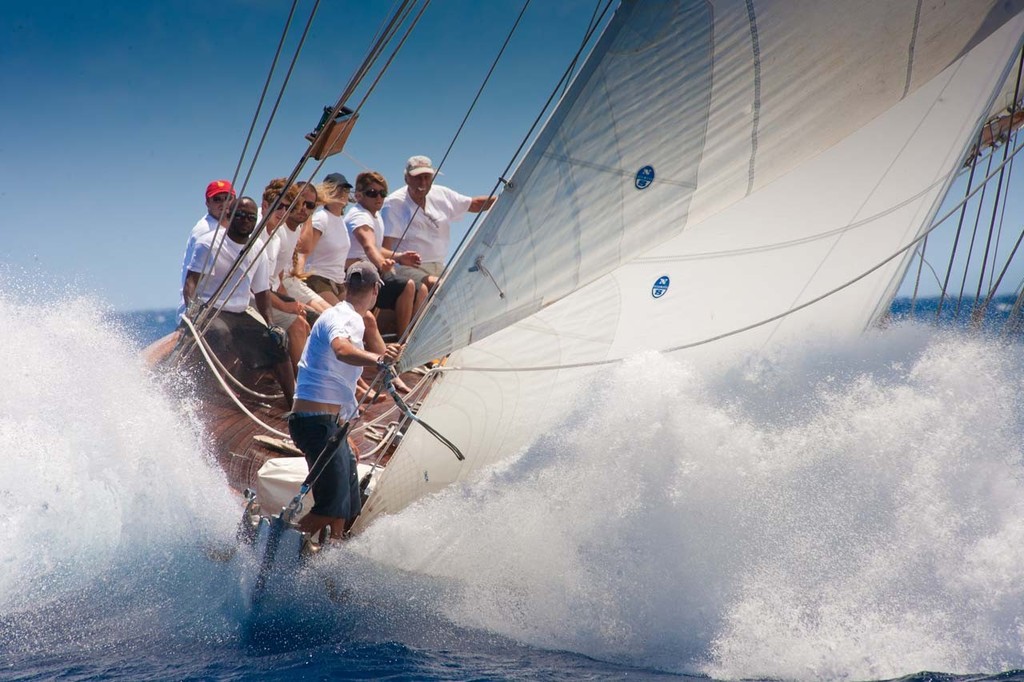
<point x="418" y="217"/>
<point x="220" y="196"/>
<point x="218" y="260"/>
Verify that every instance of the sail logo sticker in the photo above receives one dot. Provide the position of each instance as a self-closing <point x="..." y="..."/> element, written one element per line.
<point x="660" y="287"/>
<point x="644" y="177"/>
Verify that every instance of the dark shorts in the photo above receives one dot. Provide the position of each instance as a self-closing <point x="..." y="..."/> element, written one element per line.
<point x="246" y="337"/>
<point x="389" y="293"/>
<point x="336" y="490"/>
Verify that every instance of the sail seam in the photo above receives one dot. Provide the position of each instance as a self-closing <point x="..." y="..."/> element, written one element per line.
<point x="910" y="50"/>
<point x="733" y="332"/>
<point x="756" y="48"/>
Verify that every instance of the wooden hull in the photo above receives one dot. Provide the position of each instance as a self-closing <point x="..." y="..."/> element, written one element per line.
<point x="244" y="431"/>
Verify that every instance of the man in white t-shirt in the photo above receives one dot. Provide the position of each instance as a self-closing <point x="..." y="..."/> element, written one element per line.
<point x="286" y="310"/>
<point x="232" y="330"/>
<point x="325" y="397"/>
<point x="219" y="197"/>
<point x="418" y="218"/>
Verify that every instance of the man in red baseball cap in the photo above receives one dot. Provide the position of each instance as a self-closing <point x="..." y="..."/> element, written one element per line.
<point x="220" y="197"/>
<point x="219" y="187"/>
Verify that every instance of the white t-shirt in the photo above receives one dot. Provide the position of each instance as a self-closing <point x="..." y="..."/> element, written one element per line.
<point x="328" y="258"/>
<point x="279" y="253"/>
<point x="254" y="279"/>
<point x="355" y="217"/>
<point x="205" y="225"/>
<point x="323" y="378"/>
<point x="430" y="232"/>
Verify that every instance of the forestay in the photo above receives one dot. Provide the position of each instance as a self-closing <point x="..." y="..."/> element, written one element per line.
<point x="715" y="165"/>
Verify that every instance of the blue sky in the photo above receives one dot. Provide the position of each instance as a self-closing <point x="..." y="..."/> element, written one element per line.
<point x="116" y="115"/>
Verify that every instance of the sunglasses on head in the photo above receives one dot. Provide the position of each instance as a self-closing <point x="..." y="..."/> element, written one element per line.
<point x="374" y="193"/>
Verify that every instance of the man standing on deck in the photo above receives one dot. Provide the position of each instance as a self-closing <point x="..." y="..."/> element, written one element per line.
<point x="418" y="218"/>
<point x="219" y="199"/>
<point x="232" y="329"/>
<point x="325" y="398"/>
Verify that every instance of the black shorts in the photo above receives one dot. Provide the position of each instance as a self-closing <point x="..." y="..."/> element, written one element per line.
<point x="393" y="288"/>
<point x="246" y="337"/>
<point x="336" y="490"/>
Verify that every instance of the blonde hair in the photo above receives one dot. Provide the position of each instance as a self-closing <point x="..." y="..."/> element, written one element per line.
<point x="328" y="190"/>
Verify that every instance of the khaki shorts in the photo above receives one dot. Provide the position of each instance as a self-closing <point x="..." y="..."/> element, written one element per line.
<point x="323" y="285"/>
<point x="298" y="290"/>
<point x="417" y="273"/>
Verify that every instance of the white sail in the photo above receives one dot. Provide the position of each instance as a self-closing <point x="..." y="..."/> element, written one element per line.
<point x="798" y="149"/>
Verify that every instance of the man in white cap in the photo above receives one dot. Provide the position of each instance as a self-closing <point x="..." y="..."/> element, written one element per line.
<point x="418" y="218"/>
<point x="325" y="397"/>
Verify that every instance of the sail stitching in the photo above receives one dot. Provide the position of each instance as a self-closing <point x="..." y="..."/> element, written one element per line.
<point x="779" y="316"/>
<point x="756" y="48"/>
<point x="910" y="50"/>
<point x="708" y="255"/>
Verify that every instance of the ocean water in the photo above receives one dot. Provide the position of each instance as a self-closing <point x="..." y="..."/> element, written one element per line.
<point x="838" y="511"/>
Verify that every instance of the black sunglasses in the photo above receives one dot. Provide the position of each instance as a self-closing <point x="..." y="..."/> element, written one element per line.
<point x="245" y="215"/>
<point x="374" y="193"/>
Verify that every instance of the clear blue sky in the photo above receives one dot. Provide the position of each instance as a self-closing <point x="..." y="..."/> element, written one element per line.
<point x="116" y="114"/>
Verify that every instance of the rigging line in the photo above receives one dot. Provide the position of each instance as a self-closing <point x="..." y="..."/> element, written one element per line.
<point x="515" y="155"/>
<point x="999" y="186"/>
<point x="970" y="248"/>
<point x="993" y="288"/>
<point x="231" y="377"/>
<point x="266" y="128"/>
<point x="280" y="94"/>
<point x="375" y="50"/>
<point x="1002" y="217"/>
<point x="947" y="178"/>
<point x="1013" y="319"/>
<point x="469" y="112"/>
<point x="857" y="224"/>
<point x="917" y="280"/>
<point x="255" y="118"/>
<point x="266" y="88"/>
<point x="390" y="27"/>
<point x="959" y="227"/>
<point x="387" y="64"/>
<point x="575" y="60"/>
<point x="902" y="250"/>
<point x="980" y="312"/>
<point x="227" y="389"/>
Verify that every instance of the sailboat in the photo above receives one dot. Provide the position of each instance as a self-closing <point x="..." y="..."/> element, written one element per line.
<point x="798" y="152"/>
<point x="720" y="178"/>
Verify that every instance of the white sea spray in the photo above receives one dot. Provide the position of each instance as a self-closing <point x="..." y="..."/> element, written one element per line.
<point x="839" y="510"/>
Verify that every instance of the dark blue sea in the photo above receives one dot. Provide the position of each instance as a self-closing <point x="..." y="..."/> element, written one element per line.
<point x="841" y="510"/>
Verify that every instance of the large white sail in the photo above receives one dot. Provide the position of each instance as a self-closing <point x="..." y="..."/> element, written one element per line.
<point x="715" y="168"/>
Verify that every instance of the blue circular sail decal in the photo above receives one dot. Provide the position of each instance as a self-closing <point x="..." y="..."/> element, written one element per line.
<point x="644" y="177"/>
<point x="660" y="287"/>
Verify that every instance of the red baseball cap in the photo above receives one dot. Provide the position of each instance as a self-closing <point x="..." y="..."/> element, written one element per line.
<point x="218" y="187"/>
